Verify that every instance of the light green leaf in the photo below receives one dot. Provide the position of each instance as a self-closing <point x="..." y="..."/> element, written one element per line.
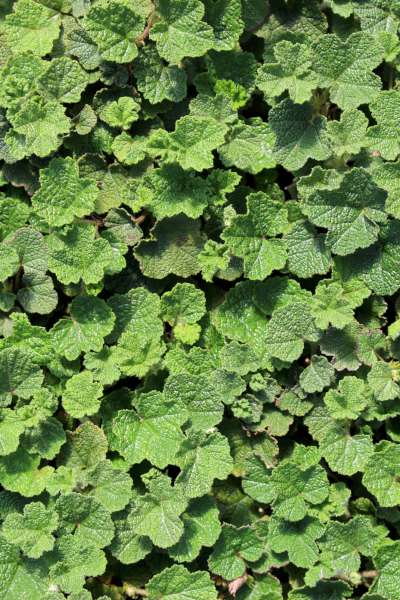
<point x="114" y="26"/>
<point x="345" y="68"/>
<point x="351" y="213"/>
<point x="201" y="528"/>
<point x="225" y="17"/>
<point x="307" y="251"/>
<point x="20" y="376"/>
<point x="156" y="514"/>
<point x="174" y="248"/>
<point x="290" y="71"/>
<point x="384" y="136"/>
<point x="75" y="253"/>
<point x="156" y="80"/>
<point x="32" y="27"/>
<point x="150" y="432"/>
<point x="82" y="395"/>
<point x="348" y="135"/>
<point x="297" y="539"/>
<point x="202" y="458"/>
<point x="234" y="547"/>
<point x="95" y="524"/>
<point x="180" y="30"/>
<point x="249" y="146"/>
<point x="300" y="134"/>
<point x="75" y="560"/>
<point x="120" y="113"/>
<point x="247" y="236"/>
<point x="381" y="473"/>
<point x="191" y="143"/>
<point x="286" y="331"/>
<point x="177" y="583"/>
<point x="171" y="190"/>
<point x="348" y="400"/>
<point x="317" y="375"/>
<point x="32" y="530"/>
<point x="63" y="80"/>
<point x="38" y="126"/>
<point x="90" y="321"/>
<point x="63" y="195"/>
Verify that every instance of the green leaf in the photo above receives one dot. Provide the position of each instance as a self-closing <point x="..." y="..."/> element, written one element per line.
<point x="351" y="213"/>
<point x="150" y="432"/>
<point x="174" y="248"/>
<point x="286" y="331"/>
<point x="156" y="514"/>
<point x="177" y="583"/>
<point x="201" y="528"/>
<point x="63" y="80"/>
<point x="345" y="68"/>
<point x="234" y="547"/>
<point x="9" y="262"/>
<point x="20" y="472"/>
<point x="20" y="376"/>
<point x="300" y="134"/>
<point x="38" y="126"/>
<point x="20" y="575"/>
<point x="114" y="26"/>
<point x="63" y="195"/>
<point x="110" y="486"/>
<point x="202" y="457"/>
<point x="182" y="307"/>
<point x="86" y="447"/>
<point x="128" y="150"/>
<point x="32" y="530"/>
<point x="331" y="307"/>
<point x="225" y="17"/>
<point x="387" y="563"/>
<point x="180" y="30"/>
<point x="11" y="428"/>
<point x="82" y="395"/>
<point x="75" y="253"/>
<point x="140" y="346"/>
<point x="19" y="76"/>
<point x="74" y="561"/>
<point x="324" y="590"/>
<point x="32" y="27"/>
<point x="200" y="397"/>
<point x="317" y="375"/>
<point x="171" y="190"/>
<point x="346" y="454"/>
<point x="380" y="475"/>
<point x="297" y="539"/>
<point x="127" y="546"/>
<point x="247" y="236"/>
<point x="382" y="380"/>
<point x="295" y="488"/>
<point x="90" y="321"/>
<point x="343" y="543"/>
<point x="120" y="113"/>
<point x="249" y="146"/>
<point x="290" y="71"/>
<point x="156" y="80"/>
<point x="191" y="143"/>
<point x="348" y="400"/>
<point x="383" y="137"/>
<point x="348" y="135"/>
<point x="377" y="265"/>
<point x="84" y="517"/>
<point x="307" y="251"/>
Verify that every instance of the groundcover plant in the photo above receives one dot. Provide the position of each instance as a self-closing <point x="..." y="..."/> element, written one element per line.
<point x="200" y="330"/>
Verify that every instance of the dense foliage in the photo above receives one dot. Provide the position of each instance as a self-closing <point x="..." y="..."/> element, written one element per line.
<point x="199" y="266"/>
